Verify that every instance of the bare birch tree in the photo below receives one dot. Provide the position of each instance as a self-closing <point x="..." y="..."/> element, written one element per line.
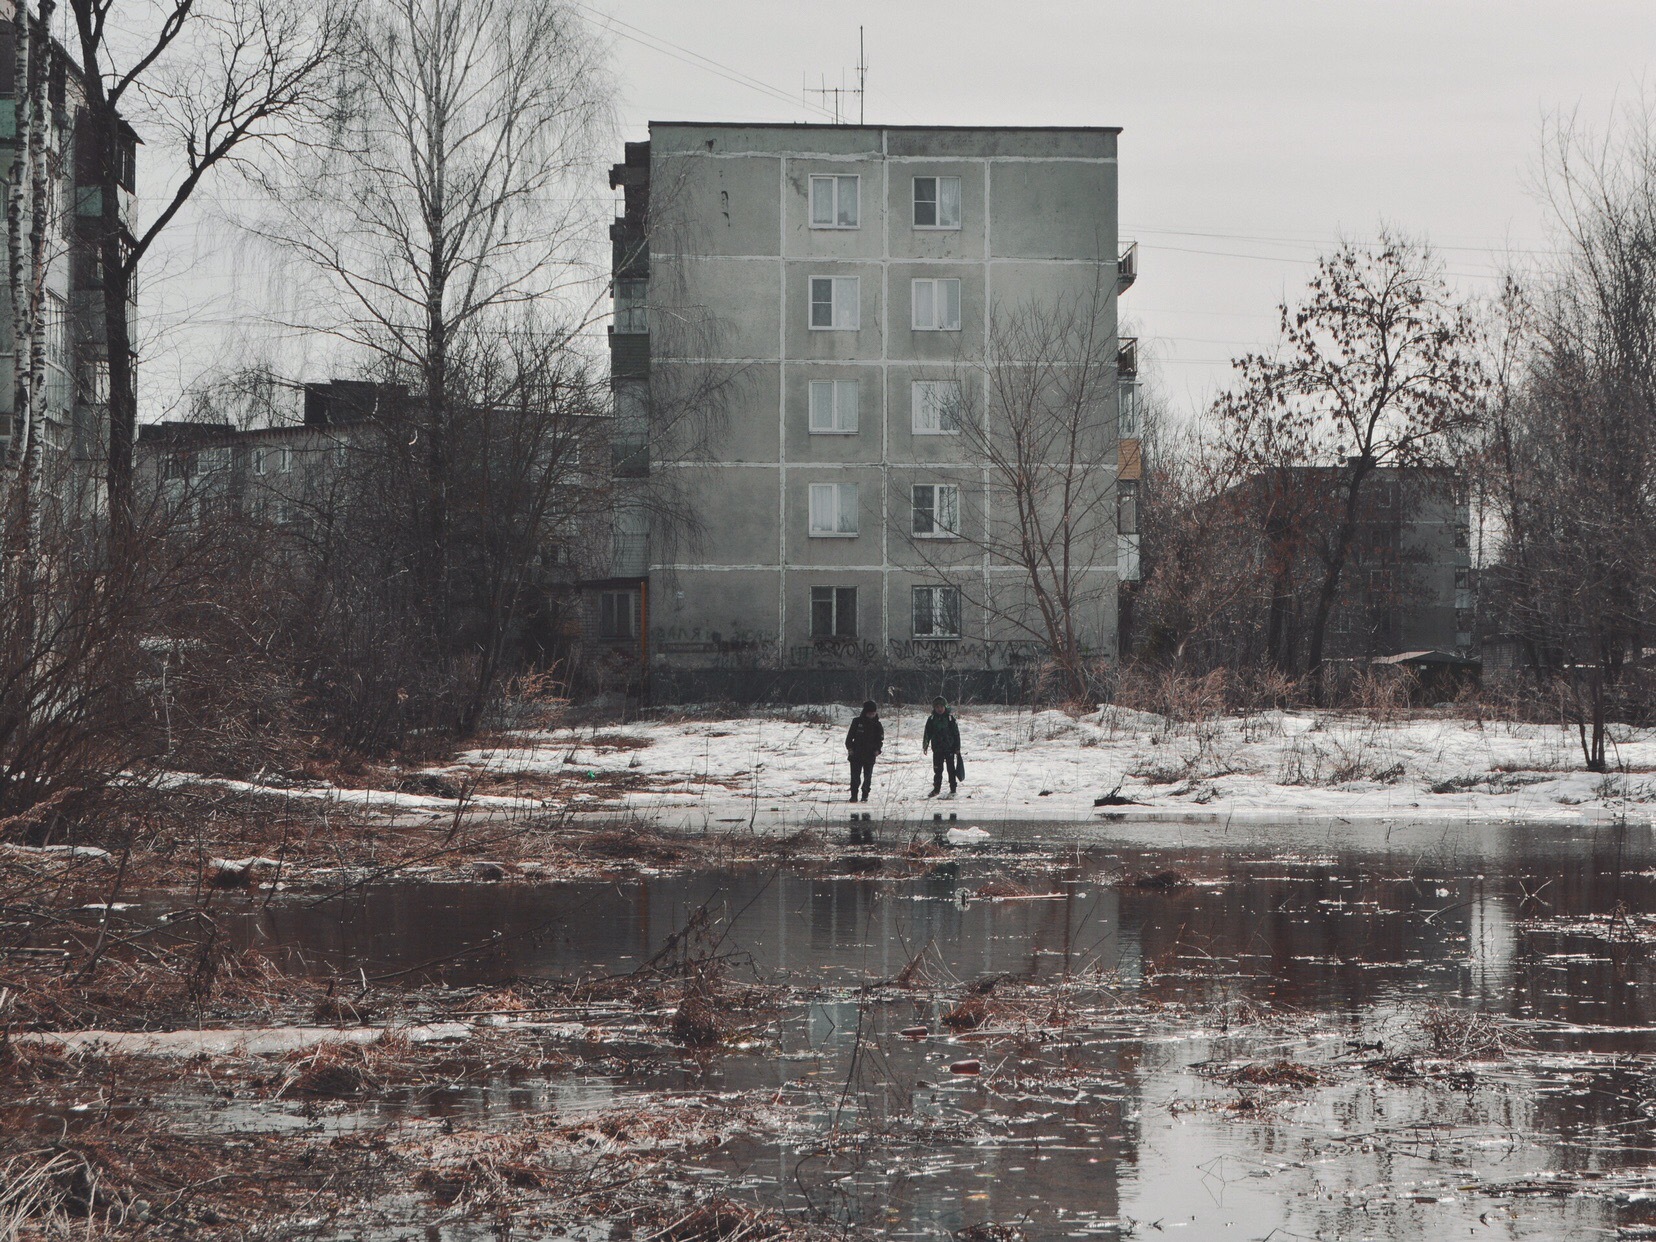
<point x="449" y="220"/>
<point x="449" y="201"/>
<point x="31" y="213"/>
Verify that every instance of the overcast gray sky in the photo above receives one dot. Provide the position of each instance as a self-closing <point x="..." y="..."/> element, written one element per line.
<point x="1256" y="131"/>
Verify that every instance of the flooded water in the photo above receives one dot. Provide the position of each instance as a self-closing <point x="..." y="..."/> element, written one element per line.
<point x="1337" y="951"/>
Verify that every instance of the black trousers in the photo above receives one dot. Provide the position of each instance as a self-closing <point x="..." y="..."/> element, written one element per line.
<point x="862" y="769"/>
<point x="939" y="762"/>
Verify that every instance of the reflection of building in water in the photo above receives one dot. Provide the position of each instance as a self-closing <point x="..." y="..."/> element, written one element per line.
<point x="1492" y="943"/>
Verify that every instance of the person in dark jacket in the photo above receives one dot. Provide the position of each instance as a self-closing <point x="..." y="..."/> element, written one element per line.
<point x="943" y="740"/>
<point x="863" y="741"/>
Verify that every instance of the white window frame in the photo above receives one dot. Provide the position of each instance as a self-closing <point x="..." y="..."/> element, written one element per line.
<point x="937" y="204"/>
<point x="922" y="400"/>
<point x="258" y="459"/>
<point x="836" y="185"/>
<point x="844" y="303"/>
<point x="284" y="460"/>
<point x="834" y="509"/>
<point x="937" y="291"/>
<point x="833" y="407"/>
<point x="944" y="503"/>
<point x="936" y="610"/>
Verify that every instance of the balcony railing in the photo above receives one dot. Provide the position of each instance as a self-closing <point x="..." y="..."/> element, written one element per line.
<point x="1127" y="268"/>
<point x="1127" y="358"/>
<point x="630" y="457"/>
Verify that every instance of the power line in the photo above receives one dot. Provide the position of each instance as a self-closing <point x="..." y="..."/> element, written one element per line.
<point x="1268" y="239"/>
<point x="694" y="59"/>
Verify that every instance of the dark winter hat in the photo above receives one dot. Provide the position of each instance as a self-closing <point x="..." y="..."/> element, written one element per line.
<point x="869" y="705"/>
<point x="940" y="701"/>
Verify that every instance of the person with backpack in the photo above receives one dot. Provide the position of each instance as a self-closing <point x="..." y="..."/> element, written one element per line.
<point x="943" y="740"/>
<point x="864" y="740"/>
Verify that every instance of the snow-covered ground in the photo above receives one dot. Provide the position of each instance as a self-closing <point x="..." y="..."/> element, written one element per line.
<point x="788" y="767"/>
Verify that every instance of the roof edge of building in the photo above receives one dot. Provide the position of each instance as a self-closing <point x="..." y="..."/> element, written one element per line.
<point x="1017" y="129"/>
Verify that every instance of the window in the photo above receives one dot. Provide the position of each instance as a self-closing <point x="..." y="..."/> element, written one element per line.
<point x="834" y="202"/>
<point x="55" y="330"/>
<point x="1127" y="410"/>
<point x="341" y="455"/>
<point x="1127" y="519"/>
<point x="94" y="382"/>
<point x="834" y="510"/>
<point x="833" y="612"/>
<point x="630" y="313"/>
<point x="836" y="303"/>
<point x="258" y="461"/>
<point x="936" y="407"/>
<point x="177" y="466"/>
<point x="936" y="510"/>
<point x="833" y="407"/>
<point x="937" y="202"/>
<point x="618" y="614"/>
<point x="936" y="305"/>
<point x="284" y="460"/>
<point x="213" y="460"/>
<point x="937" y="612"/>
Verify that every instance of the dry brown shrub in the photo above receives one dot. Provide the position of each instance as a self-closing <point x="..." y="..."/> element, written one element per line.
<point x="636" y="844"/>
<point x="1465" y="1034"/>
<point x="1273" y="1074"/>
<point x="697" y="1023"/>
<point x="1003" y="888"/>
<point x="969" y="1013"/>
<point x="620" y="741"/>
<point x="719" y="1220"/>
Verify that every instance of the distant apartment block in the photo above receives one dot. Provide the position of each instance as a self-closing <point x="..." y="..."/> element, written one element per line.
<point x="838" y="287"/>
<point x="1408" y="584"/>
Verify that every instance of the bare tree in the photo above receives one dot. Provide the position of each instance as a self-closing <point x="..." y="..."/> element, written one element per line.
<point x="217" y="77"/>
<point x="1570" y="453"/>
<point x="1042" y="438"/>
<point x="1378" y="367"/>
<point x="449" y="203"/>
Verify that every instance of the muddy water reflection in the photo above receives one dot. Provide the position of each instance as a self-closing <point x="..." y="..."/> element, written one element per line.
<point x="1080" y="1135"/>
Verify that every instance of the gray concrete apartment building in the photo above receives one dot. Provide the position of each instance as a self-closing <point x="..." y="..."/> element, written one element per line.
<point x="832" y="291"/>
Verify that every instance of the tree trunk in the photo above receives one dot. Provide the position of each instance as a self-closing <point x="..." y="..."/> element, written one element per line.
<point x="117" y="305"/>
<point x="1331" y="577"/>
<point x="17" y="192"/>
<point x="39" y="224"/>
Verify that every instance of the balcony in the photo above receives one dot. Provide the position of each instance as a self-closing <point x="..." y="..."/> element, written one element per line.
<point x="630" y="457"/>
<point x="1127" y="358"/>
<point x="1127" y="410"/>
<point x="1127" y="268"/>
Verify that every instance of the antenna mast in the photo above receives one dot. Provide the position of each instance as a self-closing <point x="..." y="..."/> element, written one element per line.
<point x="841" y="95"/>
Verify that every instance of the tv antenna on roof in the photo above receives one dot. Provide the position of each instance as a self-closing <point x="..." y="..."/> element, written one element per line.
<point x="841" y="94"/>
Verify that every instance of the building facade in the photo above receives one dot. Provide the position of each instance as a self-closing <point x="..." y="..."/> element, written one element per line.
<point x="1408" y="584"/>
<point x="806" y="396"/>
<point x="75" y="422"/>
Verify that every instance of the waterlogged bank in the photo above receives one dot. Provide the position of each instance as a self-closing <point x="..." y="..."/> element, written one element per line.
<point x="1336" y="1036"/>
